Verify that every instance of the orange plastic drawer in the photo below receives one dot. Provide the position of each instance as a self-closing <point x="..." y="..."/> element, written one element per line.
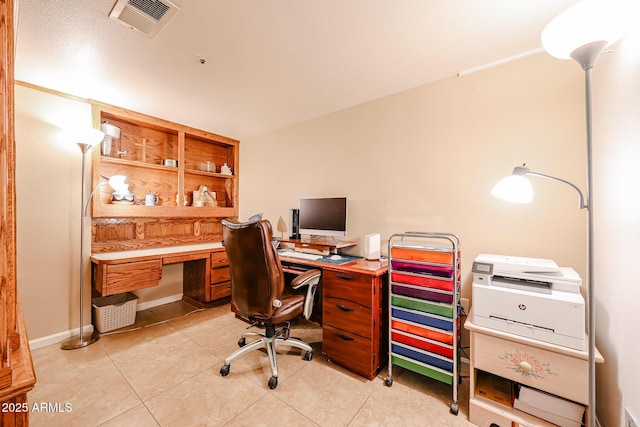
<point x="422" y="332"/>
<point x="421" y="255"/>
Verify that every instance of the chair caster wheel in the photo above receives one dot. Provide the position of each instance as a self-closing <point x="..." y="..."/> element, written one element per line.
<point x="308" y="355"/>
<point x="242" y="342"/>
<point x="224" y="371"/>
<point x="273" y="382"/>
<point x="388" y="381"/>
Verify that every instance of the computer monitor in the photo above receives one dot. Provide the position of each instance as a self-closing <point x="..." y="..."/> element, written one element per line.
<point x="324" y="216"/>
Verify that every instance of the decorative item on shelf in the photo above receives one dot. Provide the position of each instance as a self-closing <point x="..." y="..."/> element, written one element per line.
<point x="121" y="194"/>
<point x="210" y="199"/>
<point x="225" y="170"/>
<point x="202" y="197"/>
<point x="207" y="166"/>
<point x="197" y="199"/>
<point x="151" y="199"/>
<point x="89" y="139"/>
<point x="185" y="200"/>
<point x="170" y="162"/>
<point x="111" y="132"/>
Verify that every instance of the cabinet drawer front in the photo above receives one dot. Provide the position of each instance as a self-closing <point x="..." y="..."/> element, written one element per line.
<point x="352" y="286"/>
<point x="347" y="315"/>
<point x="220" y="275"/>
<point x="219" y="259"/>
<point x="349" y="350"/>
<point x="132" y="275"/>
<point x="484" y="415"/>
<point x="220" y="290"/>
<point x="555" y="373"/>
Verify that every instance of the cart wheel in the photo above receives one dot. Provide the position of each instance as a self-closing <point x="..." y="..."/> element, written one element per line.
<point x="388" y="381"/>
<point x="273" y="382"/>
<point x="242" y="342"/>
<point x="224" y="371"/>
<point x="454" y="408"/>
<point x="308" y="355"/>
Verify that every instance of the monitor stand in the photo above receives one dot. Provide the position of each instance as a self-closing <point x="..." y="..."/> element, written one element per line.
<point x="318" y="245"/>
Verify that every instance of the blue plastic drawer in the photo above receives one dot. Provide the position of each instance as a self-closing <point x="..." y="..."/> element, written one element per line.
<point x="421" y="318"/>
<point x="422" y="357"/>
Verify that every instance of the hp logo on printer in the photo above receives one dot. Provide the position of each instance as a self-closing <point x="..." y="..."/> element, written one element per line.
<point x="522" y="307"/>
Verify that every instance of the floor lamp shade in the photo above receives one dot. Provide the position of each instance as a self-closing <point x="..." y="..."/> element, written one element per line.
<point x="85" y="141"/>
<point x="584" y="23"/>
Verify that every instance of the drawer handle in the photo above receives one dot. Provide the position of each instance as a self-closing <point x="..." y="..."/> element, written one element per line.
<point x="345" y="277"/>
<point x="344" y="307"/>
<point x="525" y="367"/>
<point x="345" y="337"/>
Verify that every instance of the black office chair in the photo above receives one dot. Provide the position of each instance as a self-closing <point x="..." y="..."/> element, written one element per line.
<point x="258" y="292"/>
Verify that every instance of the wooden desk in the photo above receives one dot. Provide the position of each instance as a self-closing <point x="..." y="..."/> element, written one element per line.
<point x="353" y="304"/>
<point x="206" y="275"/>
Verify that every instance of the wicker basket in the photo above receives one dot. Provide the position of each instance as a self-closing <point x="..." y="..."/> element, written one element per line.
<point x="114" y="311"/>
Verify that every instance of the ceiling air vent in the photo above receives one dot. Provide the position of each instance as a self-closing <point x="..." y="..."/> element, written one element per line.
<point x="146" y="16"/>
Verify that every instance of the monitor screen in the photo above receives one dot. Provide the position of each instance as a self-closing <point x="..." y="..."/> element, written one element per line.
<point x="324" y="217"/>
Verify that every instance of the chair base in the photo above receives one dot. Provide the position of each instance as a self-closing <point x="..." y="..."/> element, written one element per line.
<point x="268" y="340"/>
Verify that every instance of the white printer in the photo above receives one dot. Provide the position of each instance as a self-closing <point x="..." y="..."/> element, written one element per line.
<point x="530" y="297"/>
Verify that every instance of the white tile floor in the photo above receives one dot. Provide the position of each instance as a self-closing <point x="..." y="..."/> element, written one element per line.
<point x="168" y="375"/>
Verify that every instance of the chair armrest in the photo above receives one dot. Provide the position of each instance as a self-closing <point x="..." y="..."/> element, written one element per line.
<point x="309" y="278"/>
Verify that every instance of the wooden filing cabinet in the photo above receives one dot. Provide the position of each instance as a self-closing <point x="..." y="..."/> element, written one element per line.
<point x="554" y="369"/>
<point x="354" y="320"/>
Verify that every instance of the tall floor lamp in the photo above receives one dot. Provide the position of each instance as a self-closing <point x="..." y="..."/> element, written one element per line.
<point x="580" y="33"/>
<point x="89" y="140"/>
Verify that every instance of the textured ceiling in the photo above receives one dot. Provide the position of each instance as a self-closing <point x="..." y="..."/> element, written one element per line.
<point x="269" y="63"/>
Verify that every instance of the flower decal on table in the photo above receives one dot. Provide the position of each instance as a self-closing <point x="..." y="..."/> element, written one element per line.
<point x="527" y="365"/>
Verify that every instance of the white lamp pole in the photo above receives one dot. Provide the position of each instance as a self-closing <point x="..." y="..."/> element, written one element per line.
<point x="95" y="137"/>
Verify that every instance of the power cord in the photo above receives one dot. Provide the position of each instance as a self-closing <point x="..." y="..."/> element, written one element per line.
<point x="122" y="331"/>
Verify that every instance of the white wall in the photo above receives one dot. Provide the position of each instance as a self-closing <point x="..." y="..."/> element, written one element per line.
<point x="426" y="159"/>
<point x="616" y="98"/>
<point x="48" y="171"/>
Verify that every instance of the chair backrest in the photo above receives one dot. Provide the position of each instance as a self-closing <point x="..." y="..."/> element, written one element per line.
<point x="256" y="274"/>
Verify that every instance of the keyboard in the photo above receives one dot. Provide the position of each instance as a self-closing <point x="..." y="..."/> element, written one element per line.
<point x="301" y="255"/>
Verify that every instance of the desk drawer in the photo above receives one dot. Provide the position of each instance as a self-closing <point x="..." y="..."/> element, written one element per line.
<point x="110" y="279"/>
<point x="355" y="287"/>
<point x="220" y="290"/>
<point x="348" y="316"/>
<point x="220" y="275"/>
<point x="219" y="259"/>
<point x="349" y="350"/>
<point x="555" y="373"/>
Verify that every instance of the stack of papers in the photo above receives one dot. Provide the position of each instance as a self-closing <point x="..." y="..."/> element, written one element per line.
<point x="550" y="408"/>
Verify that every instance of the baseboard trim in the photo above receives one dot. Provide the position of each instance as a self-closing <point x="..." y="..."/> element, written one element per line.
<point x="58" y="338"/>
<point x="61" y="336"/>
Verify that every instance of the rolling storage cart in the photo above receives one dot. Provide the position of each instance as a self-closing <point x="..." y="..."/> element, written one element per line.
<point x="424" y="305"/>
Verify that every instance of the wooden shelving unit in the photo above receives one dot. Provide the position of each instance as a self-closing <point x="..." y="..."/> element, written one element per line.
<point x="144" y="143"/>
